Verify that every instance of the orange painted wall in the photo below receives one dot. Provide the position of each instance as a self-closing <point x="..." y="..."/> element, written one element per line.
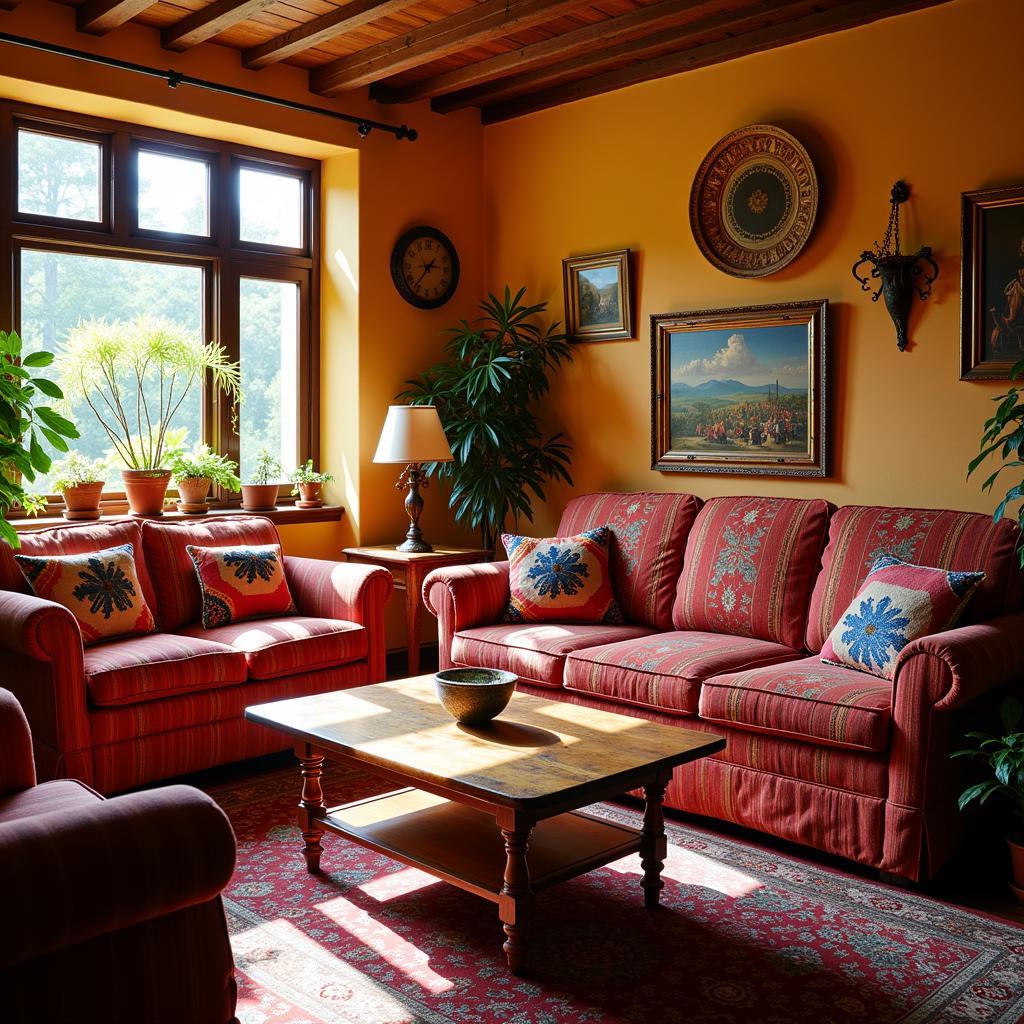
<point x="616" y="170"/>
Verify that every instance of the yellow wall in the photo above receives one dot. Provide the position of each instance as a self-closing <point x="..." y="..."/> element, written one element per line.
<point x="615" y="171"/>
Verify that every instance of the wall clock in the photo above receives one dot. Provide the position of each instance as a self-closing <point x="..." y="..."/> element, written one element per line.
<point x="425" y="267"/>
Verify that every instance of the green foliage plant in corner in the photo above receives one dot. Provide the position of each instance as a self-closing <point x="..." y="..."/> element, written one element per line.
<point x="487" y="392"/>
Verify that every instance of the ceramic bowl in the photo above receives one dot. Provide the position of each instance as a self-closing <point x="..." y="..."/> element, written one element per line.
<point x="473" y="696"/>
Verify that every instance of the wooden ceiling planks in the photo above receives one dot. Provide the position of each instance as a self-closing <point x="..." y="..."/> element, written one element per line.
<point x="211" y="21"/>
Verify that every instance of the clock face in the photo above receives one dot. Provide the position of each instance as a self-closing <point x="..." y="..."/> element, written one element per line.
<point x="425" y="267"/>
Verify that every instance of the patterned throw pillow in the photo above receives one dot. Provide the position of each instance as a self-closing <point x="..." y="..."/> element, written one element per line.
<point x="240" y="583"/>
<point x="897" y="602"/>
<point x="100" y="588"/>
<point x="561" y="579"/>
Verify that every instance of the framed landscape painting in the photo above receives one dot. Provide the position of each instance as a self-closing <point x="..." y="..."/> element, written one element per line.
<point x="740" y="390"/>
<point x="599" y="297"/>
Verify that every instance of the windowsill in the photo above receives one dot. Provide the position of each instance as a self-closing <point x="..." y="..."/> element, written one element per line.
<point x="287" y="515"/>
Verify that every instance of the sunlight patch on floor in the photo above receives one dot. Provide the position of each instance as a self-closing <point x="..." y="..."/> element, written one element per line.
<point x="398" y="883"/>
<point x="689" y="868"/>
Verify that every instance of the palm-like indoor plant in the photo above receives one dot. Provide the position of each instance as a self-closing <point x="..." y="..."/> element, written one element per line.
<point x="308" y="484"/>
<point x="259" y="492"/>
<point x="486" y="393"/>
<point x="80" y="480"/>
<point x="134" y="376"/>
<point x="196" y="471"/>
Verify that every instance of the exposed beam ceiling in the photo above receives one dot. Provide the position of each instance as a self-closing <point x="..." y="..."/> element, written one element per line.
<point x="97" y="17"/>
<point x="209" y="22"/>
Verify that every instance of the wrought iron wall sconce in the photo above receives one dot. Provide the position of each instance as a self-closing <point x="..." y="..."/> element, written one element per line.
<point x="897" y="273"/>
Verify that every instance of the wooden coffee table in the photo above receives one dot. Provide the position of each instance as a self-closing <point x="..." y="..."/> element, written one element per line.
<point x="495" y="809"/>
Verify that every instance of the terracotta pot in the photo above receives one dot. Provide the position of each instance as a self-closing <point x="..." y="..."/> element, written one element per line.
<point x="146" y="490"/>
<point x="83" y="500"/>
<point x="192" y="492"/>
<point x="1016" y="844"/>
<point x="310" y="495"/>
<point x="259" y="497"/>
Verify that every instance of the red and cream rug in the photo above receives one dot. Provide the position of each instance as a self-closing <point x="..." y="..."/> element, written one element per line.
<point x="745" y="935"/>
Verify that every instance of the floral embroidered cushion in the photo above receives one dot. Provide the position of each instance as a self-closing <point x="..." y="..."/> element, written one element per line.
<point x="100" y="588"/>
<point x="897" y="602"/>
<point x="561" y="579"/>
<point x="240" y="583"/>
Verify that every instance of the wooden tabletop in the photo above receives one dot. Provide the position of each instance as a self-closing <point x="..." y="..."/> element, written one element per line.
<point x="390" y="553"/>
<point x="537" y="751"/>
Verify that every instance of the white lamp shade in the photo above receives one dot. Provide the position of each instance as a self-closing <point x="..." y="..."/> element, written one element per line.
<point x="413" y="433"/>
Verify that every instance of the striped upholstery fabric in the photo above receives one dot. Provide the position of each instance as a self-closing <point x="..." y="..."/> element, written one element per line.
<point x="665" y="671"/>
<point x="963" y="541"/>
<point x="534" y="651"/>
<point x="17" y="770"/>
<point x="288" y="645"/>
<point x="61" y="795"/>
<point x="750" y="566"/>
<point x="649" y="534"/>
<point x="805" y="700"/>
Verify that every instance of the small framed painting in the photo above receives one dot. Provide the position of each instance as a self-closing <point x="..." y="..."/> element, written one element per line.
<point x="992" y="283"/>
<point x="741" y="390"/>
<point x="599" y="297"/>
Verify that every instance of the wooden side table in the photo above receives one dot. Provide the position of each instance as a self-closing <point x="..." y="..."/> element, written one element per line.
<point x="409" y="570"/>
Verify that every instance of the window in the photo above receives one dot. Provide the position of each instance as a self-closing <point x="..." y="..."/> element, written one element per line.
<point x="113" y="221"/>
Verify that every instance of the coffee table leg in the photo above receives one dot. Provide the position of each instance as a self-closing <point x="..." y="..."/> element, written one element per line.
<point x="653" y="842"/>
<point x="311" y="805"/>
<point x="516" y="899"/>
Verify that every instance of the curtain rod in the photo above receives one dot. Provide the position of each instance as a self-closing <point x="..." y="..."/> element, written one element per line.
<point x="364" y="125"/>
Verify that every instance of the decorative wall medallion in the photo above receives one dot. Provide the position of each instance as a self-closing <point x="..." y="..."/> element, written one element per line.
<point x="753" y="201"/>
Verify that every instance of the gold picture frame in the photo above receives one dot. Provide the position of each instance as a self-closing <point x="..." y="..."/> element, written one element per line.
<point x="599" y="296"/>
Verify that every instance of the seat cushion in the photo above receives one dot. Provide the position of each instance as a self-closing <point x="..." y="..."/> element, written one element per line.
<point x="288" y="645"/>
<point x="59" y="795"/>
<point x="665" y="670"/>
<point x="806" y="700"/>
<point x="159" y="665"/>
<point x="535" y="652"/>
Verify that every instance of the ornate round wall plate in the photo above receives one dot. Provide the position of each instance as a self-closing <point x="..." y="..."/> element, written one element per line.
<point x="753" y="201"/>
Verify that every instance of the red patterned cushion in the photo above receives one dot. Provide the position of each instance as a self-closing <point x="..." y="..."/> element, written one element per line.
<point x="101" y="589"/>
<point x="805" y="700"/>
<point x="649" y="534"/>
<point x="665" y="671"/>
<point x="749" y="568"/>
<point x="962" y="541"/>
<point x="150" y="667"/>
<point x="560" y="579"/>
<point x="284" y="647"/>
<point x="240" y="583"/>
<point x="897" y="603"/>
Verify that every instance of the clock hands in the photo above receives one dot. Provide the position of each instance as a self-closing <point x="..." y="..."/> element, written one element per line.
<point x="427" y="268"/>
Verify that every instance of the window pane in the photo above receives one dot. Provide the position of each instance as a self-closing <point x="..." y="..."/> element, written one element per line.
<point x="173" y="194"/>
<point x="270" y="208"/>
<point x="269" y="354"/>
<point x="60" y="289"/>
<point x="58" y="177"/>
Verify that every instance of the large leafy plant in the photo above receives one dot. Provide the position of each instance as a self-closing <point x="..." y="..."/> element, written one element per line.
<point x="486" y="393"/>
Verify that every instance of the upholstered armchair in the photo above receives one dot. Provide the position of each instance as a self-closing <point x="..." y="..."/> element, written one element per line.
<point x="111" y="908"/>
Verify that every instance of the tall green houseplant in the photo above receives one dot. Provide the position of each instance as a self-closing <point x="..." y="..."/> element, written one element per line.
<point x="487" y="391"/>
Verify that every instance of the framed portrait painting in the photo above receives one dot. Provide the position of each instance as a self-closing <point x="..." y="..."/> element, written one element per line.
<point x="992" y="283"/>
<point x="599" y="297"/>
<point x="741" y="390"/>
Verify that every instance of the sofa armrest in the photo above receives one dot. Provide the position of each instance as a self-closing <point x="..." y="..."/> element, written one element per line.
<point x="344" y="590"/>
<point x="17" y="767"/>
<point x="464" y="596"/>
<point x="73" y="875"/>
<point x="41" y="629"/>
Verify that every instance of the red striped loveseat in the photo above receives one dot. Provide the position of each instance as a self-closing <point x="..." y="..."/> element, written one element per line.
<point x="727" y="606"/>
<point x="128" y="711"/>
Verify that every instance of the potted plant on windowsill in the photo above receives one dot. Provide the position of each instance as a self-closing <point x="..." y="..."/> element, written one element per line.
<point x="134" y="376"/>
<point x="195" y="472"/>
<point x="308" y="485"/>
<point x="81" y="482"/>
<point x="259" y="492"/>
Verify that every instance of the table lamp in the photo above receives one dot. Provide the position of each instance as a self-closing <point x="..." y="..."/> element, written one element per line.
<point x="413" y="434"/>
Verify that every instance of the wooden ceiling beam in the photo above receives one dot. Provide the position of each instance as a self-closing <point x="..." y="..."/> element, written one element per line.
<point x="209" y="22"/>
<point x="850" y="15"/>
<point x="492" y="19"/>
<point x="97" y="17"/>
<point x="344" y="19"/>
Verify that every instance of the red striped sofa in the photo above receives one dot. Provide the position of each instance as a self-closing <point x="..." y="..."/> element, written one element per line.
<point x="727" y="604"/>
<point x="125" y="712"/>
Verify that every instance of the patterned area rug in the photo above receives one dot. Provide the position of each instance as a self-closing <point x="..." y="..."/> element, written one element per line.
<point x="745" y="935"/>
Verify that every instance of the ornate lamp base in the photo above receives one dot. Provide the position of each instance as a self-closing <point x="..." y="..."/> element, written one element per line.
<point x="413" y="478"/>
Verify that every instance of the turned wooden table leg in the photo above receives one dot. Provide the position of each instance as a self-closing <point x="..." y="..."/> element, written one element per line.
<point x="311" y="805"/>
<point x="516" y="899"/>
<point x="413" y="607"/>
<point x="653" y="842"/>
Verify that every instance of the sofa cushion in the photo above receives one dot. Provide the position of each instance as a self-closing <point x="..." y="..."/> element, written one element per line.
<point x="289" y="645"/>
<point x="665" y="670"/>
<point x="58" y="795"/>
<point x="963" y="541"/>
<point x="649" y="534"/>
<point x="806" y="700"/>
<point x="159" y="665"/>
<point x="749" y="568"/>
<point x="172" y="570"/>
<point x="535" y="652"/>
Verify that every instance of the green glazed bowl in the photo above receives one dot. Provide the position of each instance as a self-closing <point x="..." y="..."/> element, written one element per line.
<point x="473" y="696"/>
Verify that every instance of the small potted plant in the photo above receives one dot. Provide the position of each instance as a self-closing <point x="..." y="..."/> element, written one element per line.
<point x="195" y="472"/>
<point x="1004" y="756"/>
<point x="80" y="481"/>
<point x="259" y="492"/>
<point x="308" y="485"/>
